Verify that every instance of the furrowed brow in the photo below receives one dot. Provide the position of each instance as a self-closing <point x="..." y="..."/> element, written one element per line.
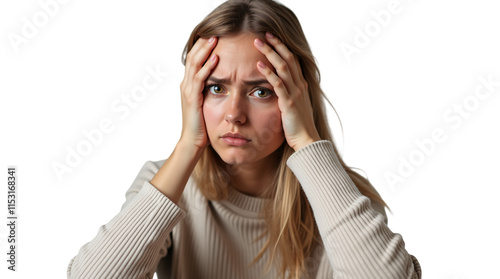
<point x="219" y="80"/>
<point x="247" y="82"/>
<point x="256" y="82"/>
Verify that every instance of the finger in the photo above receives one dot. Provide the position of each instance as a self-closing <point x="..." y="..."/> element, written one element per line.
<point x="196" y="47"/>
<point x="200" y="56"/>
<point x="203" y="73"/>
<point x="199" y="44"/>
<point x="281" y="66"/>
<point x="287" y="55"/>
<point x="275" y="81"/>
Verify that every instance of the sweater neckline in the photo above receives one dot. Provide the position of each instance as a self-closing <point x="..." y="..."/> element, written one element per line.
<point x="245" y="202"/>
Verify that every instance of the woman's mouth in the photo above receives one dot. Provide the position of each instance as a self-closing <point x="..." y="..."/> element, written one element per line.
<point x="234" y="139"/>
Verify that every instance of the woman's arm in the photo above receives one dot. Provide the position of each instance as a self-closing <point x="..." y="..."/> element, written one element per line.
<point x="175" y="172"/>
<point x="357" y="240"/>
<point x="133" y="242"/>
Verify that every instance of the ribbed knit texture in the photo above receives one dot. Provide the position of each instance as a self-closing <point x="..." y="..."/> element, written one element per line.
<point x="216" y="239"/>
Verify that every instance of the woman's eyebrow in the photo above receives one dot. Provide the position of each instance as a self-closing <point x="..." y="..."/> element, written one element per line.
<point x="247" y="82"/>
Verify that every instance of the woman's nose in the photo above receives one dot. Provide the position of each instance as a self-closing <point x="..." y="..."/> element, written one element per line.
<point x="235" y="111"/>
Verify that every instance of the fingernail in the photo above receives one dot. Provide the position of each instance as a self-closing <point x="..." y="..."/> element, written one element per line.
<point x="259" y="42"/>
<point x="262" y="65"/>
<point x="211" y="39"/>
<point x="212" y="58"/>
<point x="269" y="35"/>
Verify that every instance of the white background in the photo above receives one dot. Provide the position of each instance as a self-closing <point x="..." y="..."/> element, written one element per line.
<point x="395" y="90"/>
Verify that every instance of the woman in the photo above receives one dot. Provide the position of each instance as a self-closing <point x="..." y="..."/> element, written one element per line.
<point x="255" y="187"/>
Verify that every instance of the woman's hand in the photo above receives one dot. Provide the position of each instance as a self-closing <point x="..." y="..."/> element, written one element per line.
<point x="198" y="68"/>
<point x="291" y="87"/>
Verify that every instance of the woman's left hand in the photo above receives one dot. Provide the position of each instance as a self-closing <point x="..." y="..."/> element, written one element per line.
<point x="291" y="88"/>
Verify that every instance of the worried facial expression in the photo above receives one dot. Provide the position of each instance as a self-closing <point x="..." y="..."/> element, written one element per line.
<point x="240" y="108"/>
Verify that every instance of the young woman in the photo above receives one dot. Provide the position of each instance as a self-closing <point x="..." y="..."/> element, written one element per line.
<point x="254" y="187"/>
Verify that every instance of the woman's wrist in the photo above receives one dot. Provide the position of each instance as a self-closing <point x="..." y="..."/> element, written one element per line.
<point x="188" y="149"/>
<point x="305" y="142"/>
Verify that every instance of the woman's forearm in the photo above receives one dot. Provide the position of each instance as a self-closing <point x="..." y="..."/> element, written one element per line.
<point x="174" y="174"/>
<point x="357" y="241"/>
<point x="131" y="244"/>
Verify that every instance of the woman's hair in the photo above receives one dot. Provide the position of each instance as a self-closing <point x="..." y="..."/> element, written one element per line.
<point x="291" y="229"/>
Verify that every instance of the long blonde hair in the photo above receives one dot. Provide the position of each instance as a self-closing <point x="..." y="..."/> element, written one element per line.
<point x="291" y="228"/>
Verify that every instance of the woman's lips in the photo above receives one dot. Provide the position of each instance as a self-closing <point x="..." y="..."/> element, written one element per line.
<point x="235" y="141"/>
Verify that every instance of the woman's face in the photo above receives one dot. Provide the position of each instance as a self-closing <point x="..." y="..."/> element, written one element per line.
<point x="240" y="102"/>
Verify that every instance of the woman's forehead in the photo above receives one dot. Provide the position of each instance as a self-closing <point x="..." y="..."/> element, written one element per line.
<point x="238" y="52"/>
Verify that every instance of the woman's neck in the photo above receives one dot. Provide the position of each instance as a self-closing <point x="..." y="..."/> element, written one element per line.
<point x="253" y="179"/>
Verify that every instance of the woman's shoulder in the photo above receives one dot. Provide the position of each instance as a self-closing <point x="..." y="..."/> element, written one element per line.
<point x="146" y="173"/>
<point x="190" y="196"/>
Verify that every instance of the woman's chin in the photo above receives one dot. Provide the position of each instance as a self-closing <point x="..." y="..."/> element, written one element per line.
<point x="237" y="156"/>
<point x="236" y="160"/>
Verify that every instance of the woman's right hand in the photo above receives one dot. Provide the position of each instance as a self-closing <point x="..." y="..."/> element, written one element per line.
<point x="198" y="68"/>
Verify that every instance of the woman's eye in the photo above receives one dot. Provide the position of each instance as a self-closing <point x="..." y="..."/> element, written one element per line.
<point x="215" y="89"/>
<point x="262" y="93"/>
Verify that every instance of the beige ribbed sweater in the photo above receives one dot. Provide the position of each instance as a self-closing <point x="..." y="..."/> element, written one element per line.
<point x="215" y="239"/>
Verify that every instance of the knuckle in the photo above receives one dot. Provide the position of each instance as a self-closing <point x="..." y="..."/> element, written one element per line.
<point x="198" y="77"/>
<point x="289" y="56"/>
<point x="278" y="84"/>
<point x="193" y="63"/>
<point x="282" y="66"/>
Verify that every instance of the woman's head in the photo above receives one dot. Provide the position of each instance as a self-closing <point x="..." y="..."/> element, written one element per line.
<point x="235" y="21"/>
<point x="240" y="102"/>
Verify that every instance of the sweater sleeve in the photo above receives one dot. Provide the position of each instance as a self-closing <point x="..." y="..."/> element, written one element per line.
<point x="132" y="243"/>
<point x="356" y="237"/>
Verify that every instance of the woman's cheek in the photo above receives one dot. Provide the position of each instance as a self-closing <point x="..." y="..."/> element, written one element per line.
<point x="211" y="114"/>
<point x="272" y="117"/>
<point x="275" y="122"/>
<point x="268" y="119"/>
